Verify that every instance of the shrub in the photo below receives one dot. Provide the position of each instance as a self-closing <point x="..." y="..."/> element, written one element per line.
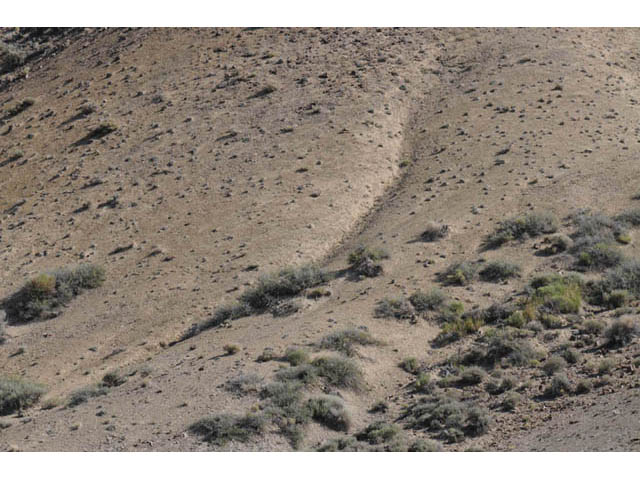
<point x="460" y="273"/>
<point x="231" y="349"/>
<point x="631" y="216"/>
<point x="518" y="228"/>
<point x="345" y="341"/>
<point x="457" y="328"/>
<point x="394" y="308"/>
<point x="471" y="376"/>
<point x="583" y="386"/>
<point x="220" y="316"/>
<point x="434" y="231"/>
<point x="219" y="429"/>
<point x="499" y="270"/>
<point x="410" y="365"/>
<point x="556" y="294"/>
<point x="284" y="308"/>
<point x="593" y="326"/>
<point x="3" y="333"/>
<point x="557" y="243"/>
<point x="423" y="383"/>
<point x="40" y="296"/>
<point x="559" y="385"/>
<point x="599" y="256"/>
<point x="450" y="419"/>
<point x="495" y="387"/>
<point x="422" y="445"/>
<point x="82" y="395"/>
<point x="339" y="372"/>
<point x="571" y="355"/>
<point x="591" y="229"/>
<point x="378" y="432"/>
<point x="365" y="260"/>
<point x="329" y="410"/>
<point x="244" y="383"/>
<point x="17" y="394"/>
<point x="621" y="332"/>
<point x="431" y="300"/>
<point x="286" y="283"/>
<point x="504" y="346"/>
<point x="283" y="394"/>
<point x="511" y="401"/>
<point x="113" y="379"/>
<point x="296" y="356"/>
<point x="305" y="373"/>
<point x="625" y="276"/>
<point x="554" y="364"/>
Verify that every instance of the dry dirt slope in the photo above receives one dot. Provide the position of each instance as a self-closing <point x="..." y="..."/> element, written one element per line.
<point x="241" y="151"/>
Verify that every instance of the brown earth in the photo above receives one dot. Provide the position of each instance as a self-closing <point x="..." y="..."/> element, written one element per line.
<point x="240" y="151"/>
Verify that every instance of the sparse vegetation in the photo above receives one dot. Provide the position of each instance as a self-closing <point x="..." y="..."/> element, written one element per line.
<point x="219" y="429"/>
<point x="40" y="297"/>
<point x="434" y="231"/>
<point x="448" y="418"/>
<point x="518" y="228"/>
<point x="410" y="365"/>
<point x="82" y="395"/>
<point x="330" y="411"/>
<point x="511" y="401"/>
<point x="339" y="372"/>
<point x="18" y="393"/>
<point x="559" y="385"/>
<point x="244" y="384"/>
<point x="621" y="332"/>
<point x="554" y="364"/>
<point x="296" y="356"/>
<point x="365" y="260"/>
<point x="345" y="341"/>
<point x="499" y="270"/>
<point x="378" y="432"/>
<point x="231" y="349"/>
<point x="431" y="300"/>
<point x="398" y="308"/>
<point x="424" y="383"/>
<point x="459" y="273"/>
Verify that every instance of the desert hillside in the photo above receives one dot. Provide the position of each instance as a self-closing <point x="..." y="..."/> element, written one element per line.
<point x="154" y="182"/>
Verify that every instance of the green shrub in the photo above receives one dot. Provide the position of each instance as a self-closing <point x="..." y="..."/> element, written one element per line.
<point x="555" y="294"/>
<point x="296" y="356"/>
<point x="82" y="395"/>
<point x="431" y="300"/>
<point x="499" y="270"/>
<point x="410" y="365"/>
<point x="621" y="332"/>
<point x="17" y="394"/>
<point x="339" y="372"/>
<point x="422" y="445"/>
<point x="424" y="383"/>
<point x="378" y="432"/>
<point x="329" y="410"/>
<point x="554" y="364"/>
<point x="42" y="295"/>
<point x="394" y="308"/>
<point x="219" y="429"/>
<point x="459" y="273"/>
<point x="345" y="341"/>
<point x="518" y="228"/>
<point x="593" y="326"/>
<point x="434" y="231"/>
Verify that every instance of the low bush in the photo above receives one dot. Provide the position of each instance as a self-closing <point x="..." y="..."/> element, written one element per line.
<point x="41" y="296"/>
<point x="559" y="385"/>
<point x="18" y="393"/>
<point x="219" y="429"/>
<point x="630" y="217"/>
<point x="244" y="384"/>
<point x="498" y="386"/>
<point x="330" y="411"/>
<point x="554" y="364"/>
<point x="378" y="432"/>
<point x="518" y="228"/>
<point x="621" y="332"/>
<point x="460" y="273"/>
<point x="345" y="341"/>
<point x="365" y="260"/>
<point x="394" y="308"/>
<point x="511" y="401"/>
<point x="339" y="372"/>
<point x="447" y="417"/>
<point x="434" y="231"/>
<point x="583" y="386"/>
<point x="499" y="270"/>
<point x="431" y="300"/>
<point x="296" y="356"/>
<point x="554" y="294"/>
<point x="82" y="395"/>
<point x="471" y="376"/>
<point x="410" y="365"/>
<point x="424" y="383"/>
<point x="599" y="256"/>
